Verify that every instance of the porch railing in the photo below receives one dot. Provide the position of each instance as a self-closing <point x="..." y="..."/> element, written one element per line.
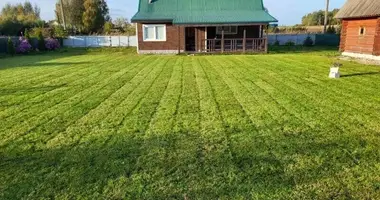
<point x="258" y="45"/>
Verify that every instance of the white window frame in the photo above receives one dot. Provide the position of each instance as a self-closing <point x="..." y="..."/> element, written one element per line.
<point x="155" y="32"/>
<point x="227" y="30"/>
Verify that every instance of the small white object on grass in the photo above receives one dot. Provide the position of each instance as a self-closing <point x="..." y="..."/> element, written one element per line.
<point x="334" y="71"/>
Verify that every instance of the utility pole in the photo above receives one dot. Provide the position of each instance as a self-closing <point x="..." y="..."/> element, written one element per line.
<point x="326" y="16"/>
<point x="63" y="15"/>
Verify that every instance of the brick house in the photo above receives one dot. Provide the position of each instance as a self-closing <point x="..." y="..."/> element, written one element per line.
<point x="175" y="26"/>
<point x="360" y="36"/>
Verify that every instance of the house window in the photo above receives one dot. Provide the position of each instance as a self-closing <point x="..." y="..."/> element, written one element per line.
<point x="156" y="32"/>
<point x="228" y="30"/>
<point x="362" y="31"/>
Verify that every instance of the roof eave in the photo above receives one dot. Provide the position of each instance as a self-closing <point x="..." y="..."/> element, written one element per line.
<point x="356" y="17"/>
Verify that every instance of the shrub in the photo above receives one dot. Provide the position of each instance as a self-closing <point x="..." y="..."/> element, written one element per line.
<point x="308" y="42"/>
<point x="108" y="27"/>
<point x="331" y="30"/>
<point x="290" y="43"/>
<point x="27" y="35"/>
<point x="59" y="32"/>
<point x="11" y="47"/>
<point x="41" y="42"/>
<point x="52" y="44"/>
<point x="24" y="46"/>
<point x="277" y="43"/>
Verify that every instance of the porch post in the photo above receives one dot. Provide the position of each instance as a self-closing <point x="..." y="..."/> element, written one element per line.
<point x="196" y="39"/>
<point x="179" y="39"/>
<point x="244" y="39"/>
<point x="266" y="39"/>
<point x="222" y="40"/>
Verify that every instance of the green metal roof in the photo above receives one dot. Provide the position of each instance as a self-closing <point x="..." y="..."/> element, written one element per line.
<point x="203" y="11"/>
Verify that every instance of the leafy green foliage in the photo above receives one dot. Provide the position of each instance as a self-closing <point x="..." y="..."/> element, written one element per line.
<point x="276" y="43"/>
<point x="317" y="18"/>
<point x="124" y="26"/>
<point x="115" y="126"/>
<point x="288" y="29"/>
<point x="59" y="32"/>
<point x="108" y="27"/>
<point x="73" y="10"/>
<point x="290" y="43"/>
<point x="95" y="15"/>
<point x="308" y="42"/>
<point x="41" y="42"/>
<point x="331" y="30"/>
<point x="14" y="18"/>
<point x="11" y="47"/>
<point x="27" y="35"/>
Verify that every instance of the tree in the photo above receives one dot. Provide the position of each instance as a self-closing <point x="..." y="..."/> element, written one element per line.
<point x="14" y="18"/>
<point x="73" y="12"/>
<point x="125" y="26"/>
<point x="95" y="15"/>
<point x="317" y="18"/>
<point x="108" y="27"/>
<point x="331" y="30"/>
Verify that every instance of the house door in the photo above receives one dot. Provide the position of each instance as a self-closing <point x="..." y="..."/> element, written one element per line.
<point x="190" y="38"/>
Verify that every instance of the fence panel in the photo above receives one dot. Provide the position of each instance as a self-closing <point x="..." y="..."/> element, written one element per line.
<point x="100" y="41"/>
<point x="298" y="39"/>
<point x="327" y="39"/>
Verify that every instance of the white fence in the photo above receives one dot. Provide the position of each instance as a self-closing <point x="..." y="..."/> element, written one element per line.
<point x="100" y="41"/>
<point x="298" y="39"/>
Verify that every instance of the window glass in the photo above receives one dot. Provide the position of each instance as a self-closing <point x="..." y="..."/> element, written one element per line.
<point x="160" y="32"/>
<point x="154" y="32"/>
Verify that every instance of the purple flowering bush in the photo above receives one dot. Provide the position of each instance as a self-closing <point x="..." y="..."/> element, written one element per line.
<point x="52" y="44"/>
<point x="24" y="46"/>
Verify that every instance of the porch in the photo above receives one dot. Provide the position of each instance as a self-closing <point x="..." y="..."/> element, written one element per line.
<point x="226" y="39"/>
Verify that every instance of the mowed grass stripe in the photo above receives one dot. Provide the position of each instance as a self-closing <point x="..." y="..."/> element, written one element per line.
<point x="76" y="100"/>
<point x="45" y="73"/>
<point x="50" y="99"/>
<point x="366" y="119"/>
<point x="309" y="90"/>
<point x="46" y="86"/>
<point x="193" y="127"/>
<point x="163" y="121"/>
<point x="315" y="72"/>
<point x="65" y="81"/>
<point x="92" y="124"/>
<point x="145" y="102"/>
<point x="49" y="67"/>
<point x="246" y="96"/>
<point x="299" y="104"/>
<point x="161" y="151"/>
<point x="88" y="121"/>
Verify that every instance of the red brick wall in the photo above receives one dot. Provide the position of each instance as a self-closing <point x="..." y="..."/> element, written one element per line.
<point x="377" y="39"/>
<point x="353" y="42"/>
<point x="171" y="42"/>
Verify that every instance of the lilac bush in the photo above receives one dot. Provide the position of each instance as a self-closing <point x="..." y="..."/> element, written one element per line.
<point x="24" y="46"/>
<point x="52" y="44"/>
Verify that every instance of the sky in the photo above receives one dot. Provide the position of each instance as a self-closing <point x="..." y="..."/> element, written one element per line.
<point x="288" y="12"/>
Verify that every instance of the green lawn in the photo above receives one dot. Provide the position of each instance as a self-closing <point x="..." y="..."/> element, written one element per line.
<point x="121" y="126"/>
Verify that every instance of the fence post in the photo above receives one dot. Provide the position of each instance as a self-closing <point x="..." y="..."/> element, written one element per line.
<point x="222" y="45"/>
